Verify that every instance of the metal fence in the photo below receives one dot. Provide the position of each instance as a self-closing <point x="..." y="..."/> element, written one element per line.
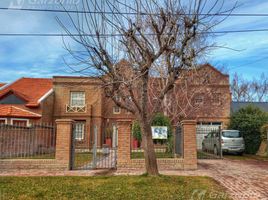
<point x="36" y="141"/>
<point x="87" y="155"/>
<point x="208" y="140"/>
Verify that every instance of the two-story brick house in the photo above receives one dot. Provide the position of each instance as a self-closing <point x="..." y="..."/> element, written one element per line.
<point x="207" y="100"/>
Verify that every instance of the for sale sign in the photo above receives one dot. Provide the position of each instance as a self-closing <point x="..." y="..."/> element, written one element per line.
<point x="159" y="132"/>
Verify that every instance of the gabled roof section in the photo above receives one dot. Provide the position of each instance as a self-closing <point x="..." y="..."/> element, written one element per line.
<point x="13" y="111"/>
<point x="29" y="89"/>
<point x="207" y="65"/>
<point x="1" y="85"/>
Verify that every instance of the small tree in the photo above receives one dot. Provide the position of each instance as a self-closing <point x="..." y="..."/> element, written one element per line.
<point x="136" y="131"/>
<point x="249" y="121"/>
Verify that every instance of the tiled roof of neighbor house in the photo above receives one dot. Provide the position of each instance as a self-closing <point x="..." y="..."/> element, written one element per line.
<point x="13" y="111"/>
<point x="2" y="84"/>
<point x="235" y="106"/>
<point x="29" y="89"/>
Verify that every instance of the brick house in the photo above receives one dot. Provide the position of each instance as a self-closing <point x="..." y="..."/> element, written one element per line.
<point x="83" y="100"/>
<point x="202" y="94"/>
<point x="26" y="100"/>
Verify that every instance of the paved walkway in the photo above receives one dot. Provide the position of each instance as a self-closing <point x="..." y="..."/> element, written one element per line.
<point x="244" y="180"/>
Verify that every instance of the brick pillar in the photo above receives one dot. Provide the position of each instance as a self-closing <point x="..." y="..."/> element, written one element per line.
<point x="124" y="141"/>
<point x="63" y="141"/>
<point x="189" y="144"/>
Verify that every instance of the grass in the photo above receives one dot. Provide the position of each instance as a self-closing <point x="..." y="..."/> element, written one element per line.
<point x="110" y="187"/>
<point x="140" y="155"/>
<point x="246" y="157"/>
<point x="83" y="158"/>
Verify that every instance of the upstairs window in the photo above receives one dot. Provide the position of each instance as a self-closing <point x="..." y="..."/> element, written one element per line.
<point x="199" y="99"/>
<point x="116" y="110"/>
<point x="78" y="99"/>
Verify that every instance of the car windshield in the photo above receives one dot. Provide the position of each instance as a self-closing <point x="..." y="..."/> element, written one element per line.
<point x="231" y="134"/>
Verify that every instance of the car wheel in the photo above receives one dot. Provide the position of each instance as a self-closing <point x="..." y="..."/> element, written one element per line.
<point x="215" y="150"/>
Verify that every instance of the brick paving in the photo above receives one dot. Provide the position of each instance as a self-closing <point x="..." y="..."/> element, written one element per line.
<point x="244" y="180"/>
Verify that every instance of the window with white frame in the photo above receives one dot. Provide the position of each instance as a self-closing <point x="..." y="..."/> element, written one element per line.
<point x="20" y="122"/>
<point x="78" y="99"/>
<point x="116" y="110"/>
<point x="79" y="130"/>
<point x="3" y="121"/>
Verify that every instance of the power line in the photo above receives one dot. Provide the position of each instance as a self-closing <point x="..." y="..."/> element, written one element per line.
<point x="115" y="35"/>
<point x="131" y="13"/>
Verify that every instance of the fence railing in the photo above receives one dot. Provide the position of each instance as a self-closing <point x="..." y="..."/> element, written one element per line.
<point x="34" y="142"/>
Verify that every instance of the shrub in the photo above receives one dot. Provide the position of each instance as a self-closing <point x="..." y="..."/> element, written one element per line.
<point x="136" y="131"/>
<point x="249" y="121"/>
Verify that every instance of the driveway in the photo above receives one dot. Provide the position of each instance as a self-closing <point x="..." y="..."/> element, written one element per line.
<point x="243" y="179"/>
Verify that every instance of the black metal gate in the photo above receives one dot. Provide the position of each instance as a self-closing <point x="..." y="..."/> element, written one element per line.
<point x="208" y="142"/>
<point x="87" y="155"/>
<point x="179" y="141"/>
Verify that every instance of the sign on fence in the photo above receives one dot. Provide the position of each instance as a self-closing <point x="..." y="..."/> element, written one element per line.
<point x="159" y="132"/>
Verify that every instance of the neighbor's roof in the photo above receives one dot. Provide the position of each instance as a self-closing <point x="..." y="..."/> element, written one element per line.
<point x="2" y="84"/>
<point x="235" y="106"/>
<point x="29" y="89"/>
<point x="13" y="111"/>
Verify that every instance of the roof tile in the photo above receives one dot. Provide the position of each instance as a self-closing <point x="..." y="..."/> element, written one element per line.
<point x="31" y="89"/>
<point x="13" y="111"/>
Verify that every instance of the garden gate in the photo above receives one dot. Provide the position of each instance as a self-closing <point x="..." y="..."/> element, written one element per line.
<point x="86" y="154"/>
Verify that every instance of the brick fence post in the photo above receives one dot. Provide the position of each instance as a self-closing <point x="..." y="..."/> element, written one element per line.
<point x="124" y="141"/>
<point x="64" y="129"/>
<point x="189" y="144"/>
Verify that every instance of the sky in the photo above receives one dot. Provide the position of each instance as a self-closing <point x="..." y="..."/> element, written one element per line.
<point x="43" y="56"/>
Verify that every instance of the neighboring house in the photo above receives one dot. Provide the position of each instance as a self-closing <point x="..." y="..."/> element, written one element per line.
<point x="26" y="100"/>
<point x="235" y="106"/>
<point x="1" y="85"/>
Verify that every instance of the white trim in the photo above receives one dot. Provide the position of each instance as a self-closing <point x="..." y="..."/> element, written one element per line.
<point x="4" y="119"/>
<point x="114" y="112"/>
<point x="28" y="111"/>
<point x="20" y="119"/>
<point x="45" y="96"/>
<point x="8" y="84"/>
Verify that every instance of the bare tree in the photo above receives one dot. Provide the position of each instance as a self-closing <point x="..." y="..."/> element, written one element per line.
<point x="249" y="90"/>
<point x="240" y="88"/>
<point x="259" y="88"/>
<point x="156" y="39"/>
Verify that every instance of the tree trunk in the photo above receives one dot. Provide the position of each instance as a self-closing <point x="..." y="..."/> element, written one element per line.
<point x="148" y="146"/>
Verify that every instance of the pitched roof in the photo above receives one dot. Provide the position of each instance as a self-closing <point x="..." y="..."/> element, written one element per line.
<point x="2" y="84"/>
<point x="29" y="89"/>
<point x="13" y="111"/>
<point x="235" y="106"/>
